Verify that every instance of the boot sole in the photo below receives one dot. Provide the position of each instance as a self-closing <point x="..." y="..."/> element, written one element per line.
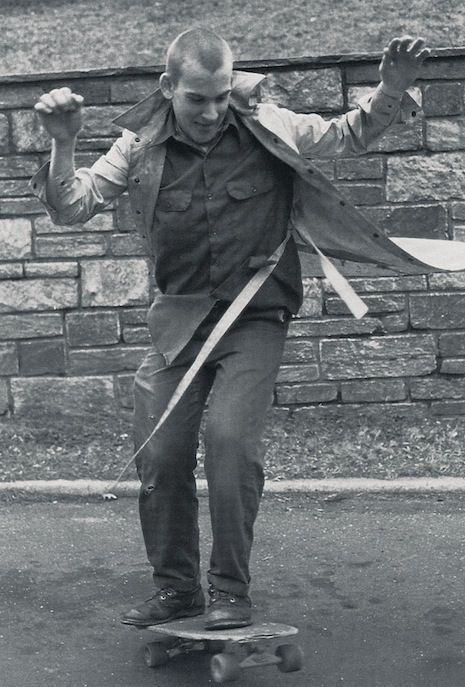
<point x="177" y="616"/>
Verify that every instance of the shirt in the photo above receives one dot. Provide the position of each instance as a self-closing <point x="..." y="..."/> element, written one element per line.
<point x="218" y="207"/>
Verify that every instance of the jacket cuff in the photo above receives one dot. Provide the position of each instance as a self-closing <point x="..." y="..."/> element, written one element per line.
<point x="38" y="187"/>
<point x="398" y="109"/>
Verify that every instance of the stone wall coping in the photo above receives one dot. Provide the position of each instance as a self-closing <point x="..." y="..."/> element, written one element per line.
<point x="319" y="61"/>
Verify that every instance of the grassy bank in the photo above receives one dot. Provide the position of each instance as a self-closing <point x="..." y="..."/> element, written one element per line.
<point x="349" y="446"/>
<point x="56" y="35"/>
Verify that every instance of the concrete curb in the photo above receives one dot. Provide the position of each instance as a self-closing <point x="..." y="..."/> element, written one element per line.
<point x="80" y="487"/>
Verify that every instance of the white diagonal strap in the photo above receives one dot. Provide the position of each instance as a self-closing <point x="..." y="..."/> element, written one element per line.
<point x="230" y="316"/>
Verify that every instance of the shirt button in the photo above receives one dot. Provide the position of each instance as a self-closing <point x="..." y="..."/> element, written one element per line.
<point x="137" y="180"/>
<point x="254" y="190"/>
<point x="138" y="212"/>
<point x="210" y="196"/>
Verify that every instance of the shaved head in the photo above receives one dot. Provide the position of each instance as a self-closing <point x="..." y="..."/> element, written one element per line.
<point x="197" y="46"/>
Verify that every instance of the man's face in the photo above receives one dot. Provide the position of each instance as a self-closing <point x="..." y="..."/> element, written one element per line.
<point x="200" y="100"/>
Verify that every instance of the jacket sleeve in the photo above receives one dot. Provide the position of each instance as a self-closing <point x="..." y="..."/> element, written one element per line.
<point x="85" y="192"/>
<point x="352" y="132"/>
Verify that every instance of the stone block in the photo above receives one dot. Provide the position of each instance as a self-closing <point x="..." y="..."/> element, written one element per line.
<point x="437" y="388"/>
<point x="360" y="168"/>
<point x="38" y="294"/>
<point x="8" y="359"/>
<point x="124" y="215"/>
<point x="134" y="89"/>
<point x="363" y="72"/>
<point x="447" y="281"/>
<point x="98" y="328"/>
<point x="415" y="178"/>
<point x="20" y="206"/>
<point x="115" y="282"/>
<point x="383" y="284"/>
<point x="86" y="159"/>
<point x="332" y="326"/>
<point x="13" y="188"/>
<point x="98" y="143"/>
<point x="443" y="68"/>
<point x="127" y="244"/>
<point x="100" y="223"/>
<point x="457" y="209"/>
<point x="376" y="304"/>
<point x="298" y="373"/>
<point x="76" y="246"/>
<point x="437" y="311"/>
<point x="41" y="357"/>
<point x="27" y="133"/>
<point x="312" y="303"/>
<point x="445" y="134"/>
<point x="125" y="386"/>
<point x="299" y="351"/>
<point x="416" y="221"/>
<point x="15" y="239"/>
<point x="397" y="322"/>
<point x="20" y="166"/>
<point x="136" y="335"/>
<point x="133" y="315"/>
<point x="4" y="134"/>
<point x="387" y="356"/>
<point x="317" y="90"/>
<point x="71" y="396"/>
<point x="400" y="137"/>
<point x="103" y="361"/>
<point x="94" y="91"/>
<point x="18" y="95"/>
<point x="458" y="233"/>
<point x="363" y="194"/>
<point x="449" y="408"/>
<point x="11" y="270"/>
<point x="452" y="366"/>
<point x="30" y="326"/>
<point x="51" y="269"/>
<point x="373" y="391"/>
<point x="443" y="99"/>
<point x="97" y="121"/>
<point x="452" y="344"/>
<point x="4" y="402"/>
<point x="294" y="394"/>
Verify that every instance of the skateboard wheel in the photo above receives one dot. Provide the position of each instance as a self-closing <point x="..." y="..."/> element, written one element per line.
<point x="224" y="668"/>
<point x="215" y="646"/>
<point x="155" y="654"/>
<point x="292" y="657"/>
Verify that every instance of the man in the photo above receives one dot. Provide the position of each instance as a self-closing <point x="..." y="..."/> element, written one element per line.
<point x="214" y="181"/>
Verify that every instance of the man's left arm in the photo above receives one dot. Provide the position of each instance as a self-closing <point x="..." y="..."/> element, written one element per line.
<point x="352" y="132"/>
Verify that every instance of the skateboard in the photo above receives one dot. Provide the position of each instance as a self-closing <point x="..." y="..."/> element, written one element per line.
<point x="232" y="650"/>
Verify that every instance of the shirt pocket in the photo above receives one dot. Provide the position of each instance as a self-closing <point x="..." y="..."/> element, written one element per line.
<point x="244" y="189"/>
<point x="173" y="201"/>
<point x="250" y="200"/>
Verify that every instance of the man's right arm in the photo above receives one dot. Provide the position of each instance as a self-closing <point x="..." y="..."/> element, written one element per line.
<point x="72" y="196"/>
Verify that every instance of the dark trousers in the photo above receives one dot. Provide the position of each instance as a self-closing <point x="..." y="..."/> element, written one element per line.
<point x="239" y="375"/>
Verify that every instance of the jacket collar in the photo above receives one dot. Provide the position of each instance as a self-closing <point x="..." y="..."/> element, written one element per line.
<point x="148" y="116"/>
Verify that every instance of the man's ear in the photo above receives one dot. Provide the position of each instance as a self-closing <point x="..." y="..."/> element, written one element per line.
<point x="166" y="86"/>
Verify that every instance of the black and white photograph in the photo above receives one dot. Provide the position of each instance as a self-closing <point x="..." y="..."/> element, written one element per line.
<point x="232" y="343"/>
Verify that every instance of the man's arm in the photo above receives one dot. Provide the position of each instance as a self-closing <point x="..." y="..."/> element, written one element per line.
<point x="352" y="132"/>
<point x="73" y="196"/>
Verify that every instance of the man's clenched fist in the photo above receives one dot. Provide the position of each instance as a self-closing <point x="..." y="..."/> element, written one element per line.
<point x="60" y="112"/>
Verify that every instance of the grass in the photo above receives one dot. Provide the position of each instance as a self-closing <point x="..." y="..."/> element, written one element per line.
<point x="381" y="446"/>
<point x="57" y="35"/>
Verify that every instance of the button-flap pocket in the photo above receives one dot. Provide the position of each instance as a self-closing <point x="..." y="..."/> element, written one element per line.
<point x="174" y="201"/>
<point x="240" y="189"/>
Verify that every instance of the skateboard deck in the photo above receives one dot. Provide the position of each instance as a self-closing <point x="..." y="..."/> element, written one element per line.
<point x="232" y="650"/>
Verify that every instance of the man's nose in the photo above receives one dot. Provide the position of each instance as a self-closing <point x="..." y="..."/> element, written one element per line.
<point x="210" y="113"/>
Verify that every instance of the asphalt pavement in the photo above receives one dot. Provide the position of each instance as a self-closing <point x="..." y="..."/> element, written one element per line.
<point x="374" y="582"/>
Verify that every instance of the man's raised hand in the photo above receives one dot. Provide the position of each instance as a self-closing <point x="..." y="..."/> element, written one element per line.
<point x="401" y="64"/>
<point x="60" y="113"/>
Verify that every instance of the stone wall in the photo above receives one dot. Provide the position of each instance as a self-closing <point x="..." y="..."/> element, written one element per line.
<point x="73" y="300"/>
